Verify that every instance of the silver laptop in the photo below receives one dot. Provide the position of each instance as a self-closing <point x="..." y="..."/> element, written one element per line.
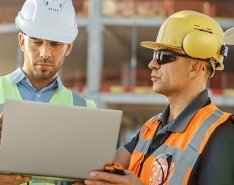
<point x="57" y="141"/>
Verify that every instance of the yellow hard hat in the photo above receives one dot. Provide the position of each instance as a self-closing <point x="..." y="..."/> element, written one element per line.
<point x="196" y="34"/>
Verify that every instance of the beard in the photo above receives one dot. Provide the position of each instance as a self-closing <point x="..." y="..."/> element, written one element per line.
<point x="43" y="70"/>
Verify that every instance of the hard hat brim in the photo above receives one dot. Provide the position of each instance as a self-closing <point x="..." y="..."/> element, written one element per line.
<point x="157" y="46"/>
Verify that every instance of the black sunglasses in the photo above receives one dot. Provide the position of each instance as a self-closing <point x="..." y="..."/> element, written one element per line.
<point x="165" y="56"/>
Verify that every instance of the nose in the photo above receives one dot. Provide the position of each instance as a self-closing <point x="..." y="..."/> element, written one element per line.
<point x="154" y="64"/>
<point x="45" y="50"/>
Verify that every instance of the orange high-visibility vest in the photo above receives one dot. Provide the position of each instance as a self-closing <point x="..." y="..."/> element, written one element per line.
<point x="184" y="148"/>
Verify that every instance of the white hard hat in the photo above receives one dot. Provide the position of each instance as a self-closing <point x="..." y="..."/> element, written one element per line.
<point x="48" y="19"/>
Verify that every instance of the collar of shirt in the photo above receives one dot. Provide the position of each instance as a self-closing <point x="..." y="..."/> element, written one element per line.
<point x="18" y="76"/>
<point x="180" y="123"/>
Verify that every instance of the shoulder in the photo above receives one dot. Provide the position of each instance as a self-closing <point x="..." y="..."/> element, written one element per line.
<point x="225" y="130"/>
<point x="5" y="81"/>
<point x="5" y="77"/>
<point x="220" y="143"/>
<point x="216" y="163"/>
<point x="223" y="135"/>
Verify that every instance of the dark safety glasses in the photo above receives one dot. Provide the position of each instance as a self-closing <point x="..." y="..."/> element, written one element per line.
<point x="165" y="56"/>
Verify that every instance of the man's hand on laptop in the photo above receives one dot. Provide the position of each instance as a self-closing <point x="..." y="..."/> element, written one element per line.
<point x="1" y="117"/>
<point x="105" y="178"/>
<point x="13" y="179"/>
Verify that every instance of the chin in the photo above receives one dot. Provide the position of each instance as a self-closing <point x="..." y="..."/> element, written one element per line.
<point x="157" y="90"/>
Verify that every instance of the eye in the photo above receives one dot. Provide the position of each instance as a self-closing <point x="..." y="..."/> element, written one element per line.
<point x="168" y="57"/>
<point x="165" y="57"/>
<point x="55" y="44"/>
<point x="37" y="41"/>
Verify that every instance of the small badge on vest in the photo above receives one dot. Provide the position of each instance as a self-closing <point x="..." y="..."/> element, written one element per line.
<point x="162" y="168"/>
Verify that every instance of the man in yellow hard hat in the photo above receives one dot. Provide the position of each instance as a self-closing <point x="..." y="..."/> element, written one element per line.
<point x="47" y="31"/>
<point x="191" y="141"/>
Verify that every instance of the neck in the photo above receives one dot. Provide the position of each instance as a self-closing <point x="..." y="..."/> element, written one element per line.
<point x="179" y="101"/>
<point x="40" y="84"/>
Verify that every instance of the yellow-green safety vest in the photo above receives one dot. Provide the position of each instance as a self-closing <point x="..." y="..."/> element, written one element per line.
<point x="62" y="97"/>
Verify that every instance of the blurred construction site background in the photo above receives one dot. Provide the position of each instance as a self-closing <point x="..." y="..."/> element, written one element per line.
<point x="107" y="63"/>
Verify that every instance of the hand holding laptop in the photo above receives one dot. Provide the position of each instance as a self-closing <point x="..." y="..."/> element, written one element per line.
<point x="99" y="177"/>
<point x="13" y="179"/>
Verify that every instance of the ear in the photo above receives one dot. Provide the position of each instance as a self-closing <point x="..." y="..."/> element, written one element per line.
<point x="196" y="68"/>
<point x="69" y="49"/>
<point x="21" y="40"/>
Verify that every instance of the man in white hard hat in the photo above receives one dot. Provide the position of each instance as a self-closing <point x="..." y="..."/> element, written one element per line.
<point x="47" y="31"/>
<point x="191" y="141"/>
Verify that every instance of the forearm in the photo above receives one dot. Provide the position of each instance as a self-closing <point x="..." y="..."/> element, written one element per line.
<point x="123" y="157"/>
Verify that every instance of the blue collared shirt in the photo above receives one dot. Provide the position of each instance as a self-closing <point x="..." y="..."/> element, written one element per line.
<point x="28" y="92"/>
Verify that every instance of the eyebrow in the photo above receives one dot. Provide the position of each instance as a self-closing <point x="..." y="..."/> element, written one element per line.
<point x="33" y="38"/>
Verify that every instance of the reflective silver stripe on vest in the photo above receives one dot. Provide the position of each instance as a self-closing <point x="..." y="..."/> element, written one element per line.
<point x="142" y="145"/>
<point x="198" y="137"/>
<point x="184" y="159"/>
<point x="78" y="100"/>
<point x="187" y="156"/>
<point x="1" y="107"/>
